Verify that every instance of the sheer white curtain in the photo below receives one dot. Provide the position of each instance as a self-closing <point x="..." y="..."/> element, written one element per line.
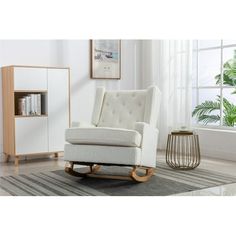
<point x="168" y="64"/>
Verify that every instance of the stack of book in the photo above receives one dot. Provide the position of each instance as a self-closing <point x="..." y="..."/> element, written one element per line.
<point x="30" y="105"/>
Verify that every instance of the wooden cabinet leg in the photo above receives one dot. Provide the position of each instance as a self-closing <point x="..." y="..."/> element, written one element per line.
<point x="16" y="160"/>
<point x="56" y="154"/>
<point x="6" y="157"/>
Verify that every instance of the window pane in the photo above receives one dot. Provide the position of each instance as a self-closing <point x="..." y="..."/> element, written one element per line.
<point x="208" y="43"/>
<point x="228" y="53"/>
<point x="229" y="66"/>
<point x="209" y="62"/>
<point x="207" y="100"/>
<point x="229" y="42"/>
<point x="229" y="107"/>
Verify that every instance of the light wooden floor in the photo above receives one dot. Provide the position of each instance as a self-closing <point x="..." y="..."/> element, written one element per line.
<point x="38" y="164"/>
<point x="31" y="165"/>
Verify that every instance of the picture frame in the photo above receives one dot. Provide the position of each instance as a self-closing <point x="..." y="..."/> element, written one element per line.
<point x="105" y="56"/>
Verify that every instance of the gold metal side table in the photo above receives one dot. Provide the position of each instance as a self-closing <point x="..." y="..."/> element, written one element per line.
<point x="183" y="151"/>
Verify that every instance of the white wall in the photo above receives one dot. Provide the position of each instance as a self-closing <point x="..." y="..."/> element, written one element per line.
<point x="217" y="143"/>
<point x="76" y="55"/>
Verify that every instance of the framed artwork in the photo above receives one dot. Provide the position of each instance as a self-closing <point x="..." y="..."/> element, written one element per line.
<point x="105" y="59"/>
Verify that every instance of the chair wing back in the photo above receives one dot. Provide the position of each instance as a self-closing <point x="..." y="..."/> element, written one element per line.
<point x="122" y="109"/>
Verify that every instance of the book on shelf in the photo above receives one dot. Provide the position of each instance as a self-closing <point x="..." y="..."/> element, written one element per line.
<point x="38" y="106"/>
<point x="29" y="105"/>
<point x="32" y="107"/>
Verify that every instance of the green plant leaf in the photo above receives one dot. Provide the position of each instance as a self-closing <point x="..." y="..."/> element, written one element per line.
<point x="227" y="65"/>
<point x="206" y="108"/>
<point x="208" y="118"/>
<point x="218" y="78"/>
<point x="229" y="120"/>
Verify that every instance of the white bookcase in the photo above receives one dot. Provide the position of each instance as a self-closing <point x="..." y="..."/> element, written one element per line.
<point x="35" y="134"/>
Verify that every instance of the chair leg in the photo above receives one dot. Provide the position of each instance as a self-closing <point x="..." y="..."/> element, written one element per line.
<point x="144" y="178"/>
<point x="94" y="168"/>
<point x="56" y="154"/>
<point x="16" y="160"/>
<point x="69" y="168"/>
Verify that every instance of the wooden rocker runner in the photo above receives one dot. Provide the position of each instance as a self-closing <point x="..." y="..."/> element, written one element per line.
<point x="93" y="168"/>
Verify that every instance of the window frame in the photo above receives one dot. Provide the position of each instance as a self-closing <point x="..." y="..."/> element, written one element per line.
<point x="221" y="86"/>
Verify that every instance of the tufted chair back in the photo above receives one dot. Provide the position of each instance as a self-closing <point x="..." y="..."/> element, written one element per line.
<point x="122" y="109"/>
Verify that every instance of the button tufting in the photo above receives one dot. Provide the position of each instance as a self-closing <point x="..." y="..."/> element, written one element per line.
<point x="133" y="95"/>
<point x="130" y="112"/>
<point x="117" y="95"/>
<point x="113" y="112"/>
<point x="123" y="103"/>
<point x="107" y="104"/>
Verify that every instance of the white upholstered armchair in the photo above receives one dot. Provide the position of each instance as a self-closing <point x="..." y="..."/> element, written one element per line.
<point x="122" y="132"/>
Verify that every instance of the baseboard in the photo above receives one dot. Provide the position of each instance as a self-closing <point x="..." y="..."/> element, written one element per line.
<point x="219" y="154"/>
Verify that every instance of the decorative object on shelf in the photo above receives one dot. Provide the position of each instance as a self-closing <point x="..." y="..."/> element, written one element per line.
<point x="105" y="59"/>
<point x="21" y="107"/>
<point x="183" y="151"/>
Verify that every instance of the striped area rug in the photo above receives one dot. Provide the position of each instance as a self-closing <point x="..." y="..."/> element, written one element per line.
<point x="166" y="181"/>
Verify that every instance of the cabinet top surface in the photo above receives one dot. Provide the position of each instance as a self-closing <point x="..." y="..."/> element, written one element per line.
<point x="47" y="67"/>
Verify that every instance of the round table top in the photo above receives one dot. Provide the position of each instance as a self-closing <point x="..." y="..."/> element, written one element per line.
<point x="182" y="132"/>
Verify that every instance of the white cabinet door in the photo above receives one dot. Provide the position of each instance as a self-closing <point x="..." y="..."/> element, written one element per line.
<point x="31" y="135"/>
<point x="30" y="78"/>
<point x="58" y="108"/>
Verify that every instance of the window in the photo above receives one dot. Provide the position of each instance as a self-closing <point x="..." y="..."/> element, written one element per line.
<point x="214" y="86"/>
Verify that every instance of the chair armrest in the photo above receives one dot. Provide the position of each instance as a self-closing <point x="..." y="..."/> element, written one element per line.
<point x="144" y="128"/>
<point x="149" y="143"/>
<point x="81" y="124"/>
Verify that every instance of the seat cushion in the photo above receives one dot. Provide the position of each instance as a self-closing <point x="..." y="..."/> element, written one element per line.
<point x="104" y="136"/>
<point x="103" y="154"/>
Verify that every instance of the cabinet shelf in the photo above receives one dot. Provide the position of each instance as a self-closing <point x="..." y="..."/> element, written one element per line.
<point x="30" y="91"/>
<point x="30" y="116"/>
<point x="23" y="93"/>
